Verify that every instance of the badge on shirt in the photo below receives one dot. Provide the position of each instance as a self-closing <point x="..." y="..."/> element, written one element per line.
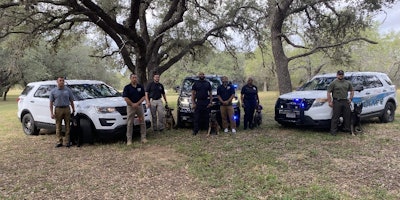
<point x="229" y="87"/>
<point x="139" y="89"/>
<point x="159" y="87"/>
<point x="254" y="88"/>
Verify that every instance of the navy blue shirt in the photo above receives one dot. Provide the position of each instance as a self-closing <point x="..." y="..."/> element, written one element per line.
<point x="133" y="93"/>
<point x="155" y="90"/>
<point x="203" y="90"/>
<point x="225" y="92"/>
<point x="250" y="94"/>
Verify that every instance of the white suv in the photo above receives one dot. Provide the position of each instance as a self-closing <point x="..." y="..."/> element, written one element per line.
<point x="100" y="108"/>
<point x="308" y="105"/>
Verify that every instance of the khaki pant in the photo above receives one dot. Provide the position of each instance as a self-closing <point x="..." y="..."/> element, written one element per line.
<point x="227" y="112"/>
<point x="131" y="119"/>
<point x="157" y="114"/>
<point x="62" y="114"/>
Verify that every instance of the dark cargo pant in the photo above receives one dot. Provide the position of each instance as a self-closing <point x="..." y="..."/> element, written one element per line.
<point x="340" y="108"/>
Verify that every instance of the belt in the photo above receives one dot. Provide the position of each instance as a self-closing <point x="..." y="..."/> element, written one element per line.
<point x="62" y="106"/>
<point x="339" y="99"/>
<point x="154" y="99"/>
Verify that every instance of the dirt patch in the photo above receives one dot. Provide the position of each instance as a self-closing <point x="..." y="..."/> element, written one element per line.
<point x="106" y="171"/>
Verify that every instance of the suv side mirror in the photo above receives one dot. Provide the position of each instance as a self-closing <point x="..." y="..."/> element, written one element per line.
<point x="358" y="88"/>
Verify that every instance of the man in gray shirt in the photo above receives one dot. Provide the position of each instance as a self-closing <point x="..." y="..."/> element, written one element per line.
<point x="61" y="98"/>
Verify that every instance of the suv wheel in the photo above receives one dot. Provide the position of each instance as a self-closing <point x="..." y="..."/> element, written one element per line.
<point x="87" y="131"/>
<point x="388" y="113"/>
<point x="28" y="125"/>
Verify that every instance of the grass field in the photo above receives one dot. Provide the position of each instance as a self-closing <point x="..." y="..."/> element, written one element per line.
<point x="270" y="162"/>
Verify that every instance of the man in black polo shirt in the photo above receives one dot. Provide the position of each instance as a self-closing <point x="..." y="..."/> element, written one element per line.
<point x="201" y="97"/>
<point x="226" y="92"/>
<point x="134" y="95"/>
<point x="341" y="102"/>
<point x="154" y="92"/>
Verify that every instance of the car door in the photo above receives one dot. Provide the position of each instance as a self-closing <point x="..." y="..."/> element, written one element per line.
<point x="40" y="102"/>
<point x="374" y="94"/>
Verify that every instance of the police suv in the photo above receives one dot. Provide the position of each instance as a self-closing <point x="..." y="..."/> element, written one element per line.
<point x="185" y="111"/>
<point x="100" y="109"/>
<point x="308" y="105"/>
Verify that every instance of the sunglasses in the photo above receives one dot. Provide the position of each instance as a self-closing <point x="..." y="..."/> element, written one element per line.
<point x="340" y="74"/>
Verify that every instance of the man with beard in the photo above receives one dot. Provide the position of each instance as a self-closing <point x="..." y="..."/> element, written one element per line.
<point x="201" y="101"/>
<point x="339" y="89"/>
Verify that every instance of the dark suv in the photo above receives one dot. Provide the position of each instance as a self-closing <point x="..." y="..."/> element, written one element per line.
<point x="185" y="112"/>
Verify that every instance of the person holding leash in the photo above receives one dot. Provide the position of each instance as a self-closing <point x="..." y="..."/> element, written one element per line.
<point x="226" y="92"/>
<point x="134" y="95"/>
<point x="62" y="99"/>
<point x="201" y="102"/>
<point x="250" y="100"/>
<point x="154" y="92"/>
<point x="338" y="91"/>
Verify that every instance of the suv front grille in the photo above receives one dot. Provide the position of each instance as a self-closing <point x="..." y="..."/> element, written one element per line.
<point x="294" y="104"/>
<point x="121" y="110"/>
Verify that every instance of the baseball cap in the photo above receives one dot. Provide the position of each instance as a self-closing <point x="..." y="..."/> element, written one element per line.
<point x="340" y="72"/>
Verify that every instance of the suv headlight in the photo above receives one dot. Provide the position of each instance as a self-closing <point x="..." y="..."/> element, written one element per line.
<point x="184" y="102"/>
<point x="235" y="102"/>
<point x="106" y="109"/>
<point x="319" y="102"/>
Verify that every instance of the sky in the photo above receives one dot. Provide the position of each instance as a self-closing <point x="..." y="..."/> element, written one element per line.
<point x="391" y="20"/>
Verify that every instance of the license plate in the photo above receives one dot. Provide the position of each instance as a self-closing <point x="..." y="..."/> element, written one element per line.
<point x="291" y="115"/>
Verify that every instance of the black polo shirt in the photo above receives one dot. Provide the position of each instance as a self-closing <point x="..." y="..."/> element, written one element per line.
<point x="133" y="93"/>
<point x="250" y="94"/>
<point x="225" y="92"/>
<point x="202" y="88"/>
<point x="155" y="90"/>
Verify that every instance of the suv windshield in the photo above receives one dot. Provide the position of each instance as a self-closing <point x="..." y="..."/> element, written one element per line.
<point x="93" y="91"/>
<point x="322" y="83"/>
<point x="188" y="83"/>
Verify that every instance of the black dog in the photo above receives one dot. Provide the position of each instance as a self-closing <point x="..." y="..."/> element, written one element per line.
<point x="257" y="120"/>
<point x="355" y="124"/>
<point x="213" y="127"/>
<point x="75" y="133"/>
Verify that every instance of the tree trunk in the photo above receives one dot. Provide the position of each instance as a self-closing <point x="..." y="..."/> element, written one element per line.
<point x="281" y="60"/>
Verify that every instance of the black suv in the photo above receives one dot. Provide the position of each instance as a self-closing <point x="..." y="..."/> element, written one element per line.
<point x="185" y="112"/>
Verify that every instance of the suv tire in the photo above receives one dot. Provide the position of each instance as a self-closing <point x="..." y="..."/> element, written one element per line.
<point x="388" y="113"/>
<point x="87" y="131"/>
<point x="28" y="125"/>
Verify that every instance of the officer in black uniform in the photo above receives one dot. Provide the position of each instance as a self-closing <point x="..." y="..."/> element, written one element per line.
<point x="249" y="98"/>
<point x="201" y="102"/>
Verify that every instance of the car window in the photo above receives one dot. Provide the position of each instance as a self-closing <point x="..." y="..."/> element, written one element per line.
<point x="357" y="81"/>
<point x="319" y="83"/>
<point x="44" y="91"/>
<point x="93" y="91"/>
<point x="372" y="82"/>
<point x="188" y="83"/>
<point x="387" y="79"/>
<point x="27" y="90"/>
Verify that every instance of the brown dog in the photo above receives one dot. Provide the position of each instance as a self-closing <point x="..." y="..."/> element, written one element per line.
<point x="169" y="118"/>
<point x="213" y="126"/>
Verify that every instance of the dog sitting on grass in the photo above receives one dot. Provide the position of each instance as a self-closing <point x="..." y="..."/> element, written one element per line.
<point x="213" y="126"/>
<point x="257" y="120"/>
<point x="355" y="125"/>
<point x="169" y="118"/>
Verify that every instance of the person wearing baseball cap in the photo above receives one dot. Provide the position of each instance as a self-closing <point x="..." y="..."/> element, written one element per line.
<point x="340" y="94"/>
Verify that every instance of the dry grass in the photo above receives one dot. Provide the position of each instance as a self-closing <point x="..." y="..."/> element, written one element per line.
<point x="266" y="163"/>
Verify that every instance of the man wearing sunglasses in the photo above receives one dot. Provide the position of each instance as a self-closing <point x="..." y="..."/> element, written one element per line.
<point x="339" y="99"/>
